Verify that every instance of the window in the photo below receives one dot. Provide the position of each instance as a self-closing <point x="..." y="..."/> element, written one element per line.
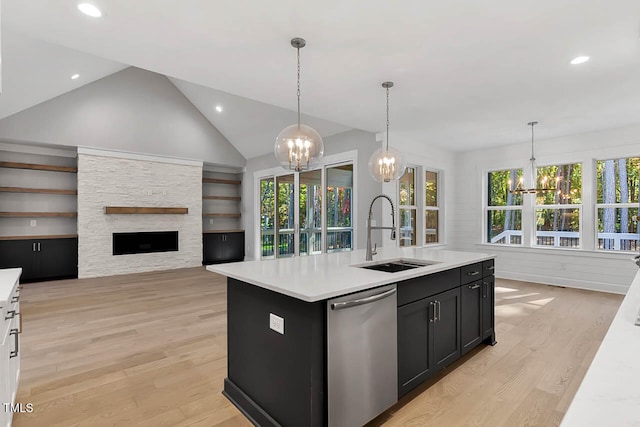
<point x="617" y="204"/>
<point x="431" y="210"/>
<point x="504" y="209"/>
<point x="339" y="216"/>
<point x="408" y="207"/>
<point x="305" y="213"/>
<point x="558" y="212"/>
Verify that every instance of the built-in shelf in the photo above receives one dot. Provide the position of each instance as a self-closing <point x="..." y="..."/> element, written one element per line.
<point x="36" y="166"/>
<point x="37" y="214"/>
<point x="41" y="237"/>
<point x="222" y="231"/>
<point x="120" y="210"/>
<point x="222" y="215"/>
<point x="37" y="190"/>
<point x="221" y="198"/>
<point x="221" y="181"/>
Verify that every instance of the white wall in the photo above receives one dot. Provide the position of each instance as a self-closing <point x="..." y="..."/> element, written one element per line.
<point x="133" y="110"/>
<point x="105" y="180"/>
<point x="585" y="268"/>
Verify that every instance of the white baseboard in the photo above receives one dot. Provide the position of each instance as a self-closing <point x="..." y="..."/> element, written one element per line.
<point x="569" y="283"/>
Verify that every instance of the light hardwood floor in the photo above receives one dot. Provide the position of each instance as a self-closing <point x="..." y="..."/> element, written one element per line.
<point x="150" y="350"/>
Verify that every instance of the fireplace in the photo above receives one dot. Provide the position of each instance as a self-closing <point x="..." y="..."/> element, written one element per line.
<point x="145" y="242"/>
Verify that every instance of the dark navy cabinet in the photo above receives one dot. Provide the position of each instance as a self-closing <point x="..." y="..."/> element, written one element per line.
<point x="41" y="259"/>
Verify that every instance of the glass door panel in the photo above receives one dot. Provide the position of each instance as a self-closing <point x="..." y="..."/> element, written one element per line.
<point x="310" y="212"/>
<point x="285" y="217"/>
<point x="267" y="218"/>
<point x="338" y="208"/>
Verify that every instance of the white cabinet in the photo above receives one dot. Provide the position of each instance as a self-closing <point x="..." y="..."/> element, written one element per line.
<point x="10" y="329"/>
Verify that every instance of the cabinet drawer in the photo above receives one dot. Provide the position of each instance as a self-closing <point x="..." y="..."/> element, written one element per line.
<point x="425" y="286"/>
<point x="487" y="267"/>
<point x="470" y="273"/>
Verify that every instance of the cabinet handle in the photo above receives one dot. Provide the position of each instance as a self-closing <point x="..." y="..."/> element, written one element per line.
<point x="33" y="247"/>
<point x="14" y="353"/>
<point x="20" y="324"/>
<point x="432" y="319"/>
<point x="490" y="267"/>
<point x="15" y="298"/>
<point x="38" y="246"/>
<point x="485" y="287"/>
<point x="473" y="273"/>
<point x="12" y="314"/>
<point x="439" y="310"/>
<point x="476" y="286"/>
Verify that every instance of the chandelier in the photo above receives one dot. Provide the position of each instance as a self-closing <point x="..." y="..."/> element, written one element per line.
<point x="298" y="147"/>
<point x="542" y="185"/>
<point x="386" y="164"/>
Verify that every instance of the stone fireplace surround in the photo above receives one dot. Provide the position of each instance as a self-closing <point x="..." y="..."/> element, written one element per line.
<point x="109" y="178"/>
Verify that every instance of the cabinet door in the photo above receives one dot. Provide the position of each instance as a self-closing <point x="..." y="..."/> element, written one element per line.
<point x="58" y="258"/>
<point x="6" y="343"/>
<point x="211" y="244"/>
<point x="234" y="246"/>
<point x="19" y="253"/>
<point x="414" y="333"/>
<point x="488" y="307"/>
<point x="446" y="328"/>
<point x="471" y="315"/>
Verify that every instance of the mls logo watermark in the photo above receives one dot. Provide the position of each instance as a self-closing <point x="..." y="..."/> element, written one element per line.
<point x="18" y="407"/>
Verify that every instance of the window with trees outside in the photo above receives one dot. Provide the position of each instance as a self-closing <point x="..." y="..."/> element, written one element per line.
<point x="558" y="212"/>
<point x="431" y="210"/>
<point x="293" y="206"/>
<point x="617" y="204"/>
<point x="408" y="207"/>
<point x="504" y="209"/>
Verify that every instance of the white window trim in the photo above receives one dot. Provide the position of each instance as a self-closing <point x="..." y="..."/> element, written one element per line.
<point x="327" y="161"/>
<point x="414" y="207"/>
<point x="439" y="206"/>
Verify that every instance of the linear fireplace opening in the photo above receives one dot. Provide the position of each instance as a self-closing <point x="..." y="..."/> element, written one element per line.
<point x="145" y="242"/>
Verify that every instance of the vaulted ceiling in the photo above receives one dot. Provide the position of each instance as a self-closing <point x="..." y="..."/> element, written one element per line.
<point x="467" y="74"/>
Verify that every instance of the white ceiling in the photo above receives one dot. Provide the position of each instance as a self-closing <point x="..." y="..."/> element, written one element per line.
<point x="250" y="125"/>
<point x="34" y="71"/>
<point x="467" y="74"/>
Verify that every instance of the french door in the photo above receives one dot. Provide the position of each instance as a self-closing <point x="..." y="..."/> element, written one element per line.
<point x="298" y="218"/>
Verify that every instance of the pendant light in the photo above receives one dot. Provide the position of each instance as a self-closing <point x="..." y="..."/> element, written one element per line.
<point x="298" y="147"/>
<point x="543" y="186"/>
<point x="386" y="164"/>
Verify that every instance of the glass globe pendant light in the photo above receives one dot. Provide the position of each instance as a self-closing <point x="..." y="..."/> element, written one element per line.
<point x="298" y="147"/>
<point x="386" y="164"/>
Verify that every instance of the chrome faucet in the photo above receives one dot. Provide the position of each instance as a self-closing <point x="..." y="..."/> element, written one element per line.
<point x="371" y="252"/>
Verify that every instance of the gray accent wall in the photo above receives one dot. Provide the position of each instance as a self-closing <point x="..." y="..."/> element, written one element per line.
<point x="133" y="110"/>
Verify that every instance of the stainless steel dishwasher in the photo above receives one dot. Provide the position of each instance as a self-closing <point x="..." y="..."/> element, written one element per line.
<point x="362" y="356"/>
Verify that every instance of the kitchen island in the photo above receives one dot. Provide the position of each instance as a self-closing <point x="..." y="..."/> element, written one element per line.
<point x="299" y="355"/>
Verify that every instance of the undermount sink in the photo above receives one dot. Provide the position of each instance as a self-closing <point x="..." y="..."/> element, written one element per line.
<point x="397" y="265"/>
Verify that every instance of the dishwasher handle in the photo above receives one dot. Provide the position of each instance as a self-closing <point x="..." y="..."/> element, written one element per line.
<point x="367" y="300"/>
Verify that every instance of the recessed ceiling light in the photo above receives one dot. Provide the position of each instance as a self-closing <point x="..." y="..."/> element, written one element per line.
<point x="90" y="10"/>
<point x="579" y="60"/>
<point x="219" y="108"/>
<point x="75" y="76"/>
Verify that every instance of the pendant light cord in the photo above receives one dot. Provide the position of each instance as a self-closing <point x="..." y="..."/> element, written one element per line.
<point x="298" y="92"/>
<point x="533" y="157"/>
<point x="387" y="119"/>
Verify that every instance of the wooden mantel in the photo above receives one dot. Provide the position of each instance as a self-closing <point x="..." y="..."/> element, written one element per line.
<point x="137" y="210"/>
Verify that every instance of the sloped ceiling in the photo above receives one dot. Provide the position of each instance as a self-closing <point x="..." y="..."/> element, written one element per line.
<point x="251" y="125"/>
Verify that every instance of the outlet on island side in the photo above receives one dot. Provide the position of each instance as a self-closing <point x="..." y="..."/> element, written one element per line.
<point x="276" y="323"/>
<point x="34" y="223"/>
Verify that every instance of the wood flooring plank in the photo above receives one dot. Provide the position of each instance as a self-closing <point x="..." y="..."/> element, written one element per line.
<point x="149" y="349"/>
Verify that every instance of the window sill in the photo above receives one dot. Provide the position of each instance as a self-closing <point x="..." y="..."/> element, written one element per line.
<point x="578" y="252"/>
<point x="434" y="245"/>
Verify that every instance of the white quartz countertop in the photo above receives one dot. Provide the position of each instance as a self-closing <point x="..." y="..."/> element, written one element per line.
<point x="318" y="277"/>
<point x="610" y="392"/>
<point x="8" y="278"/>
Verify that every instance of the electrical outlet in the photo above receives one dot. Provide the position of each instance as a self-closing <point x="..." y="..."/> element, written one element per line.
<point x="276" y="323"/>
<point x="210" y="221"/>
<point x="373" y="223"/>
<point x="149" y="192"/>
<point x="34" y="222"/>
